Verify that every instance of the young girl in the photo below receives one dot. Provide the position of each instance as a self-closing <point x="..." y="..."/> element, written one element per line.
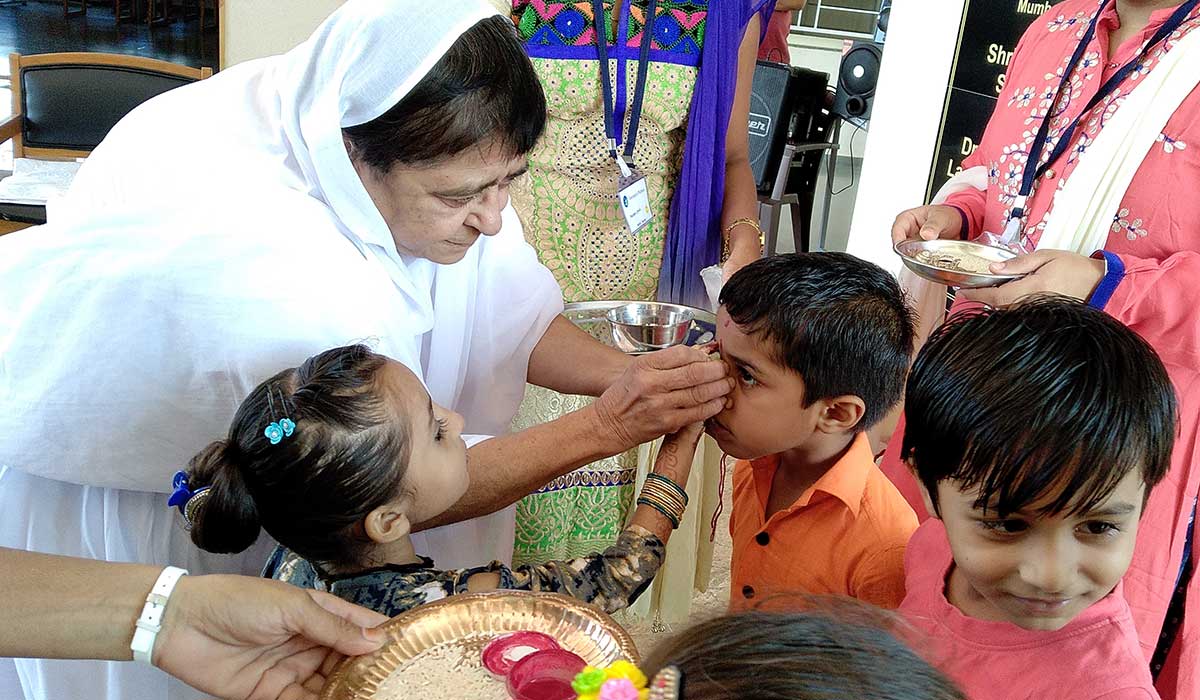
<point x="339" y="458"/>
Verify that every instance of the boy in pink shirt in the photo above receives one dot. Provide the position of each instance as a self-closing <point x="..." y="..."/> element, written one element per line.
<point x="1036" y="433"/>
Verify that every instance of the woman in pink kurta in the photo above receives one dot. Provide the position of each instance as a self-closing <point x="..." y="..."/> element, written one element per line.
<point x="1155" y="236"/>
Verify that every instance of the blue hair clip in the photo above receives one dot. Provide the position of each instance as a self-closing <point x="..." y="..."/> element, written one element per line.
<point x="284" y="427"/>
<point x="278" y="430"/>
<point x="183" y="493"/>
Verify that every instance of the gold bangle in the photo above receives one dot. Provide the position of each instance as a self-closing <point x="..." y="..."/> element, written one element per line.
<point x="746" y="221"/>
<point x="657" y="492"/>
<point x="673" y="511"/>
<point x="660" y="492"/>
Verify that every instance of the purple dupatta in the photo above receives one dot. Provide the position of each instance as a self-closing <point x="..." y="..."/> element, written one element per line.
<point x="694" y="223"/>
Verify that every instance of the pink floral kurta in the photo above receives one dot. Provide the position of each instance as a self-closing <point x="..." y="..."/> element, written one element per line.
<point x="1156" y="233"/>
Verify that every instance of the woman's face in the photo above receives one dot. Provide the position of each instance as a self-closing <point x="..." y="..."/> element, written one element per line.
<point x="436" y="477"/>
<point x="437" y="212"/>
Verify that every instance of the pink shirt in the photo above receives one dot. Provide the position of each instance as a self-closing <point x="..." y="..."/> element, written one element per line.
<point x="1156" y="233"/>
<point x="774" y="45"/>
<point x="1095" y="656"/>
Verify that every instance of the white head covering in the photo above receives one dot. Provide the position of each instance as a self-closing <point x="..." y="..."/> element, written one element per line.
<point x="220" y="234"/>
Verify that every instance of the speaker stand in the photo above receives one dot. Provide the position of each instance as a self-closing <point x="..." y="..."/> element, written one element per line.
<point x="770" y="207"/>
<point x="830" y="171"/>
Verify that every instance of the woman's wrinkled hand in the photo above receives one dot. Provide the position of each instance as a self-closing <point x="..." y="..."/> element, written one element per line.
<point x="661" y="393"/>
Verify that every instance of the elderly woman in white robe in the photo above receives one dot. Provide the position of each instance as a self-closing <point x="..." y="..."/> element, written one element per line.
<point x="352" y="189"/>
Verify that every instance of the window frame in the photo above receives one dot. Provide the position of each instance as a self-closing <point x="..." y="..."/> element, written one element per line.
<point x="819" y="31"/>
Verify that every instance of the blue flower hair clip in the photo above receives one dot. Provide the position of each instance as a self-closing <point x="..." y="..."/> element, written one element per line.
<point x="278" y="429"/>
<point x="185" y="499"/>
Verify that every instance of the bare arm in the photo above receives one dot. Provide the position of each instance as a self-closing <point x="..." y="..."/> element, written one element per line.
<point x="613" y="579"/>
<point x="230" y="636"/>
<point x="659" y="394"/>
<point x="741" y="194"/>
<point x="570" y="361"/>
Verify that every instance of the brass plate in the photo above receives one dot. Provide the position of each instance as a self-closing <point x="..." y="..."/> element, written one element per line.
<point x="577" y="626"/>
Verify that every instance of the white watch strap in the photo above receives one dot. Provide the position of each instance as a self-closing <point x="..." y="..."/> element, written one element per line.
<point x="149" y="623"/>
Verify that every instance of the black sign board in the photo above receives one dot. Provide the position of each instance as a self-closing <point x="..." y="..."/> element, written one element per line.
<point x="987" y="38"/>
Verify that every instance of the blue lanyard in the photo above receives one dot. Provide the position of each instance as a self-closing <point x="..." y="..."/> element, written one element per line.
<point x="1033" y="170"/>
<point x="611" y="129"/>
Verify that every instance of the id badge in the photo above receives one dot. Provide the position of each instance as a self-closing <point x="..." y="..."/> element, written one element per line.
<point x="634" y="198"/>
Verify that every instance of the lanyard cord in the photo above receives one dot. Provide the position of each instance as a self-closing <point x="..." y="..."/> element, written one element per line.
<point x="611" y="130"/>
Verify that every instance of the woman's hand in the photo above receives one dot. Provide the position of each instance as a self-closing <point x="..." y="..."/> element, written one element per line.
<point x="928" y="223"/>
<point x="1048" y="272"/>
<point x="244" y="638"/>
<point x="659" y="394"/>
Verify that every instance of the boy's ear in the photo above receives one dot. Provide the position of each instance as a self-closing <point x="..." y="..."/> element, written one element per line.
<point x="387" y="523"/>
<point x="933" y="513"/>
<point x="841" y="414"/>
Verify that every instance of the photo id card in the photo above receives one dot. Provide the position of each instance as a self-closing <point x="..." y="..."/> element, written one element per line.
<point x="635" y="202"/>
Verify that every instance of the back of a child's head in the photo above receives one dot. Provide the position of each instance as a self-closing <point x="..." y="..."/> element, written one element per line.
<point x="1049" y="402"/>
<point x="797" y="656"/>
<point x="311" y="489"/>
<point x="839" y="322"/>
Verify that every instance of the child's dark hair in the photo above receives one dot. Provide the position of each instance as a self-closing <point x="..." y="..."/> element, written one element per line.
<point x="797" y="656"/>
<point x="839" y="322"/>
<point x="1049" y="400"/>
<point x="312" y="490"/>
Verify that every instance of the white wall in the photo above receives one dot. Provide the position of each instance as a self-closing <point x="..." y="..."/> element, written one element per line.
<point x="258" y="28"/>
<point x="921" y="43"/>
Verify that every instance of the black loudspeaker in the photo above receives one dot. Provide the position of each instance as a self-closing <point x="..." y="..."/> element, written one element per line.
<point x="857" y="78"/>
<point x="779" y="96"/>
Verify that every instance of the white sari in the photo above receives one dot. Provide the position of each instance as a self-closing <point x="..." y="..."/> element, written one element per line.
<point x="217" y="236"/>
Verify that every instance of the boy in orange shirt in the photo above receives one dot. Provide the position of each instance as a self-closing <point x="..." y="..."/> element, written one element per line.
<point x="819" y="344"/>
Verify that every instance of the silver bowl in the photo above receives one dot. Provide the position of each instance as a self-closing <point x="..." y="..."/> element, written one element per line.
<point x="945" y="272"/>
<point x="645" y="326"/>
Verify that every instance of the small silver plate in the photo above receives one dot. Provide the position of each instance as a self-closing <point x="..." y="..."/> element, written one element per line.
<point x="935" y="261"/>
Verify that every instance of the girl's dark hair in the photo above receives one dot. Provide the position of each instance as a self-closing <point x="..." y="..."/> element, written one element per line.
<point x="484" y="88"/>
<point x="839" y="322"/>
<point x="759" y="655"/>
<point x="1050" y="400"/>
<point x="311" y="491"/>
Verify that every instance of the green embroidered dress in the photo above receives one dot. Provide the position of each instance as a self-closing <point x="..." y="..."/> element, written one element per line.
<point x="568" y="207"/>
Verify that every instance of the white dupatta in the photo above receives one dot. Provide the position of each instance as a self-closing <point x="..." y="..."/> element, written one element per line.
<point x="220" y="234"/>
<point x="1084" y="209"/>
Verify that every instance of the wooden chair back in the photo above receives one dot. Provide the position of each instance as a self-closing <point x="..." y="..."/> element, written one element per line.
<point x="68" y="102"/>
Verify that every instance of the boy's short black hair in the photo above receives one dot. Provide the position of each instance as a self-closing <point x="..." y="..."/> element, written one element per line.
<point x="839" y="322"/>
<point x="1049" y="399"/>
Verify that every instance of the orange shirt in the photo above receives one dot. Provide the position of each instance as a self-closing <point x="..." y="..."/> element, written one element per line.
<point x="845" y="535"/>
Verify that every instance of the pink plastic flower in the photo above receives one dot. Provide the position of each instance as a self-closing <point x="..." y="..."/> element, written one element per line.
<point x="619" y="689"/>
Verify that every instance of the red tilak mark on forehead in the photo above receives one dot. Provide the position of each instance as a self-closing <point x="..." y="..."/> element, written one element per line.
<point x="728" y="322"/>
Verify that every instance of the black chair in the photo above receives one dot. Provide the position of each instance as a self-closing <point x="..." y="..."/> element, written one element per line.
<point x="64" y="105"/>
<point x="814" y="132"/>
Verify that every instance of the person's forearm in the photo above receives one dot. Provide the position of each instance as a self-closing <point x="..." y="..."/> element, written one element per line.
<point x="790" y="5"/>
<point x="741" y="194"/>
<point x="741" y="202"/>
<point x="507" y="468"/>
<point x="570" y="361"/>
<point x="65" y="608"/>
